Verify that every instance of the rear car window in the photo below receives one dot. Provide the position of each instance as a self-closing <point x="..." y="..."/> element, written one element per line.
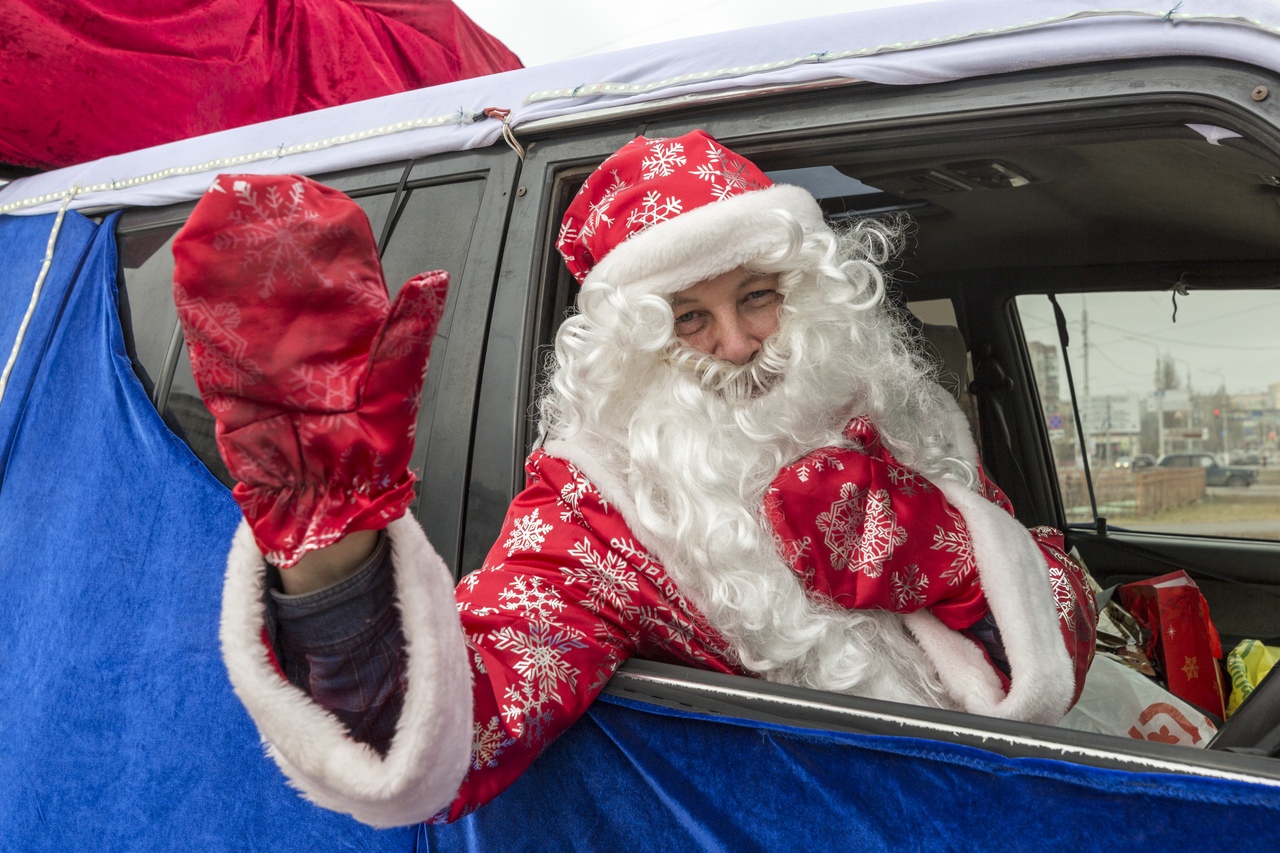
<point x="1176" y="407"/>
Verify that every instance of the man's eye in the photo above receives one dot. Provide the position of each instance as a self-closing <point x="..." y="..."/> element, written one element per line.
<point x="686" y="318"/>
<point x="762" y="295"/>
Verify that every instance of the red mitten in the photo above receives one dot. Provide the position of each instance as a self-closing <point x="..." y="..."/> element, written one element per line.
<point x="866" y="532"/>
<point x="312" y="373"/>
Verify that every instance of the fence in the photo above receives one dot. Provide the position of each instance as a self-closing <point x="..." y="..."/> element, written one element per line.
<point x="1128" y="492"/>
<point x="1162" y="488"/>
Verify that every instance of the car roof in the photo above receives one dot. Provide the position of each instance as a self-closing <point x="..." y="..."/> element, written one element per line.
<point x="915" y="44"/>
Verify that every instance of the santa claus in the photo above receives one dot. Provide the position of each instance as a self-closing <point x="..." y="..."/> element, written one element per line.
<point x="743" y="465"/>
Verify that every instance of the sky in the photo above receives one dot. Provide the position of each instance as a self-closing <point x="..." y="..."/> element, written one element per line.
<point x="1219" y="338"/>
<point x="545" y="32"/>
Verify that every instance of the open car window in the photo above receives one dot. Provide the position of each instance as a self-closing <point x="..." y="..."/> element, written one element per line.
<point x="1178" y="405"/>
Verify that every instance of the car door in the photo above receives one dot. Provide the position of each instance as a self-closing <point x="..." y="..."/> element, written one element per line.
<point x="954" y="157"/>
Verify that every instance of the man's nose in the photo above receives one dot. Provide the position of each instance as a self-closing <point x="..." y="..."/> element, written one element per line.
<point x="737" y="343"/>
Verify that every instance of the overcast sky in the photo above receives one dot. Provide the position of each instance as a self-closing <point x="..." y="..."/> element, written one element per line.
<point x="1219" y="337"/>
<point x="546" y="32"/>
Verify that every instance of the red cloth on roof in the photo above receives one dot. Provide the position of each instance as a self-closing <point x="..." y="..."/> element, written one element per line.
<point x="82" y="79"/>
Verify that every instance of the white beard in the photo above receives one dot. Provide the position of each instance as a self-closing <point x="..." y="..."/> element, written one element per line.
<point x="689" y="467"/>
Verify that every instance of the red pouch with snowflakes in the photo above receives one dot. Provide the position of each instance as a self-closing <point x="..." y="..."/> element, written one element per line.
<point x="311" y="372"/>
<point x="1182" y="638"/>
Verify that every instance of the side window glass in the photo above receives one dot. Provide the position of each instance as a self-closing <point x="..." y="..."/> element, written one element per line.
<point x="1164" y="404"/>
<point x="194" y="421"/>
<point x="147" y="315"/>
<point x="433" y="233"/>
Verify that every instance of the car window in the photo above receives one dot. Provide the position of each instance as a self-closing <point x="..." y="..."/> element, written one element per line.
<point x="147" y="315"/>
<point x="1189" y="379"/>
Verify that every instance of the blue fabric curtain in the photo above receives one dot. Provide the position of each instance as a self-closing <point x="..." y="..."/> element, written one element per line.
<point x="118" y="727"/>
<point x="119" y="731"/>
<point x="635" y="776"/>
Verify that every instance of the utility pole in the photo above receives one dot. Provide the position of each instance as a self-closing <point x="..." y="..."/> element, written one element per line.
<point x="1084" y="323"/>
<point x="1088" y="401"/>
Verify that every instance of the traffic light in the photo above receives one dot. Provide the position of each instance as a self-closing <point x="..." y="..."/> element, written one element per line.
<point x="1217" y="412"/>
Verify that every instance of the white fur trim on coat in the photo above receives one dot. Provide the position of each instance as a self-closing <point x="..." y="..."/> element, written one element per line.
<point x="1015" y="580"/>
<point x="706" y="241"/>
<point x="431" y="749"/>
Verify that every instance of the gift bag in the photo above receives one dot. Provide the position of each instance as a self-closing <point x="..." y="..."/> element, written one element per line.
<point x="1182" y="639"/>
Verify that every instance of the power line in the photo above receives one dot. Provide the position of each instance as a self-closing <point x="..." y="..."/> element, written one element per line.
<point x="1163" y="340"/>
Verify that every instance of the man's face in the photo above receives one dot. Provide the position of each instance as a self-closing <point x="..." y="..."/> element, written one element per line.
<point x="729" y="316"/>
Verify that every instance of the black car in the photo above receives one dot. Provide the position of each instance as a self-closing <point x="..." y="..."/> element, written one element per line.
<point x="1214" y="474"/>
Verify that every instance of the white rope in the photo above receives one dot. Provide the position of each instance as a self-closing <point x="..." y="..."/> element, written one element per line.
<point x="35" y="292"/>
<point x="221" y="163"/>
<point x="615" y="89"/>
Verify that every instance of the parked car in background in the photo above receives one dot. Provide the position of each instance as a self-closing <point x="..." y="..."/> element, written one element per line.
<point x="1215" y="474"/>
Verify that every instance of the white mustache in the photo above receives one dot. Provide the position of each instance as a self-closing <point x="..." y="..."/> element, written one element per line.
<point x="735" y="383"/>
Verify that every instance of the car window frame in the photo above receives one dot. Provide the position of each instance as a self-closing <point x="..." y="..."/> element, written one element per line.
<point x="785" y="131"/>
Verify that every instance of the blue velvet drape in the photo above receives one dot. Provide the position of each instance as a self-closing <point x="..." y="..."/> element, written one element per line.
<point x="635" y="776"/>
<point x="118" y="728"/>
<point x="119" y="731"/>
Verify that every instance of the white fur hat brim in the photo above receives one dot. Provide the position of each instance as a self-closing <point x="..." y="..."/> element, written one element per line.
<point x="706" y="241"/>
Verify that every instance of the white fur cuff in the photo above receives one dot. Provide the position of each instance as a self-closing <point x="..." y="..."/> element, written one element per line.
<point x="1015" y="580"/>
<point x="431" y="749"/>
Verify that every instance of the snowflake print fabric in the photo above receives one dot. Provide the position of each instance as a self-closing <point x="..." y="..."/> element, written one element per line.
<point x="1073" y="598"/>
<point x="312" y="373"/>
<point x="866" y="532"/>
<point x="565" y="596"/>
<point x="646" y="182"/>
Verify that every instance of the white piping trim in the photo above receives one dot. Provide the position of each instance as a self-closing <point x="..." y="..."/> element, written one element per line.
<point x="1014" y="740"/>
<point x="35" y="291"/>
<point x="222" y="163"/>
<point x="615" y="89"/>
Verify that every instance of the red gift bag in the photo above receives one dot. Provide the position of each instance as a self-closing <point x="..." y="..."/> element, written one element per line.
<point x="1182" y="637"/>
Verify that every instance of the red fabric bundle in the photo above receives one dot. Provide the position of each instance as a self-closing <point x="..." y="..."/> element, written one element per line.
<point x="87" y="78"/>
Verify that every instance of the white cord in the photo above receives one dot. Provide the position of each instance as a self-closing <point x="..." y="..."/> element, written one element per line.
<point x="35" y="292"/>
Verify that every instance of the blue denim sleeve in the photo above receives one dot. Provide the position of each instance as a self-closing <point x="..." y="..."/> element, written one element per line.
<point x="343" y="646"/>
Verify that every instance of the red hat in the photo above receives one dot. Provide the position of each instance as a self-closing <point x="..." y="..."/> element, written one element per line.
<point x="662" y="214"/>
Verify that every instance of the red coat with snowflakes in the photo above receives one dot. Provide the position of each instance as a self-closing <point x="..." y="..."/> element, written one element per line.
<point x="567" y="593"/>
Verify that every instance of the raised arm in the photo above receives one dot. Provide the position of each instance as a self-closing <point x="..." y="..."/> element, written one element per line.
<point x="313" y="376"/>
